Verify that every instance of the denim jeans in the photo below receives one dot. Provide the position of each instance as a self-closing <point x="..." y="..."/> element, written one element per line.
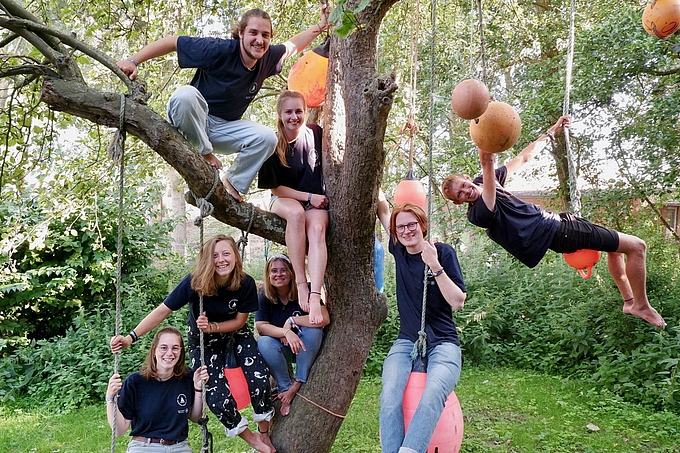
<point x="443" y="370"/>
<point x="254" y="143"/>
<point x="277" y="356"/>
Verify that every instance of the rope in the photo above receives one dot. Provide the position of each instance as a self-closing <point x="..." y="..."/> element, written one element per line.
<point x="117" y="153"/>
<point x="420" y="346"/>
<point x="320" y="406"/>
<point x="206" y="208"/>
<point x="574" y="192"/>
<point x="243" y="241"/>
<point x="482" y="52"/>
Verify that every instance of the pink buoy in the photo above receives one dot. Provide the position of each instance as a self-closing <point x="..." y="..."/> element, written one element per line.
<point x="411" y="190"/>
<point x="448" y="435"/>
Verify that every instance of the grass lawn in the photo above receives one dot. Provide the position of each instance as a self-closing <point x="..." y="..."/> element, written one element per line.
<point x="504" y="410"/>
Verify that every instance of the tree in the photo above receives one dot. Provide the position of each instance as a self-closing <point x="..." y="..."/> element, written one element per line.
<point x="357" y="107"/>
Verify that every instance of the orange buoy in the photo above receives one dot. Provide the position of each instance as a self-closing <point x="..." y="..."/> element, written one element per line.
<point x="583" y="260"/>
<point x="448" y="435"/>
<point x="470" y="98"/>
<point x="410" y="189"/>
<point x="238" y="386"/>
<point x="308" y="75"/>
<point x="497" y="129"/>
<point x="661" y="18"/>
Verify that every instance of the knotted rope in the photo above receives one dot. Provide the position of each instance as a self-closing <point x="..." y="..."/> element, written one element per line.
<point x="206" y="208"/>
<point x="243" y="241"/>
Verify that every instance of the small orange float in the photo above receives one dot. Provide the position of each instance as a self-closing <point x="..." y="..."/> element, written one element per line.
<point x="470" y="98"/>
<point x="410" y="189"/>
<point x="308" y="75"/>
<point x="583" y="260"/>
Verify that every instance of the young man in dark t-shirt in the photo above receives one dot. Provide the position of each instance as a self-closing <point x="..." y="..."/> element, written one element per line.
<point x="527" y="231"/>
<point x="229" y="73"/>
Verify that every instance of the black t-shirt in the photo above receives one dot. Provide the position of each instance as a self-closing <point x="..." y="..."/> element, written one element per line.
<point x="304" y="171"/>
<point x="222" y="307"/>
<point x="159" y="410"/>
<point x="523" y="229"/>
<point x="277" y="314"/>
<point x="410" y="271"/>
<point x="221" y="77"/>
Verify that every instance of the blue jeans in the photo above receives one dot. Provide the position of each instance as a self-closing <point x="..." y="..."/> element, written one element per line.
<point x="254" y="143"/>
<point x="277" y="356"/>
<point x="443" y="370"/>
<point x="379" y="265"/>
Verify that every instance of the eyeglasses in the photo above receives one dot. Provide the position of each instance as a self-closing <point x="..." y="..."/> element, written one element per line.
<point x="163" y="349"/>
<point x="275" y="271"/>
<point x="411" y="226"/>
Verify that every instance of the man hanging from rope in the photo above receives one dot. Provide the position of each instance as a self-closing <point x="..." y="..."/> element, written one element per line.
<point x="526" y="231"/>
<point x="229" y="74"/>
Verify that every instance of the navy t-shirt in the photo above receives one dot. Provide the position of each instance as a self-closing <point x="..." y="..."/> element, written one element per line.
<point x="222" y="307"/>
<point x="304" y="171"/>
<point x="523" y="229"/>
<point x="221" y="77"/>
<point x="159" y="410"/>
<point x="410" y="270"/>
<point x="277" y="314"/>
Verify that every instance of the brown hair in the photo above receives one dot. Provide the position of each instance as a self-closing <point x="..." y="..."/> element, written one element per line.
<point x="282" y="143"/>
<point x="203" y="276"/>
<point x="238" y="28"/>
<point x="149" y="369"/>
<point x="414" y="209"/>
<point x="268" y="289"/>
<point x="446" y="186"/>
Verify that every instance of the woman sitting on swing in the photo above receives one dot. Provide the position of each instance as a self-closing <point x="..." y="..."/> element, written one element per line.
<point x="445" y="293"/>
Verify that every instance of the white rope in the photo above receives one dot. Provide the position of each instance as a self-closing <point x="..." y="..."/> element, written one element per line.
<point x="574" y="192"/>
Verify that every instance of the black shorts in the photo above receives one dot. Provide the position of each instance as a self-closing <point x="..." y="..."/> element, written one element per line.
<point x="576" y="233"/>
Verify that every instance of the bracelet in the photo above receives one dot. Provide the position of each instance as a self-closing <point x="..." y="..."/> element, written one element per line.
<point x="197" y="390"/>
<point x="551" y="135"/>
<point x="133" y="62"/>
<point x="217" y="326"/>
<point x="438" y="273"/>
<point x="309" y="197"/>
<point x="285" y="332"/>
<point x="134" y="335"/>
<point x="110" y="399"/>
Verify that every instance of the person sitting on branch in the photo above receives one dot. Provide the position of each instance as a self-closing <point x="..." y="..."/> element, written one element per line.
<point x="527" y="231"/>
<point x="229" y="74"/>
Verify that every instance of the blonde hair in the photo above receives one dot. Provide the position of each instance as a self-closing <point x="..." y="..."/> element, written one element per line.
<point x="150" y="368"/>
<point x="448" y="182"/>
<point x="282" y="142"/>
<point x="268" y="289"/>
<point x="203" y="276"/>
<point x="414" y="209"/>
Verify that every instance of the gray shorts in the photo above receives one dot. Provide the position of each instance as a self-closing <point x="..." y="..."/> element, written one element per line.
<point x="576" y="233"/>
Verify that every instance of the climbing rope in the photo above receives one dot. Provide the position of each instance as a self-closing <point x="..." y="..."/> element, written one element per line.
<point x="243" y="241"/>
<point x="205" y="209"/>
<point x="574" y="192"/>
<point x="480" y="27"/>
<point x="420" y="346"/>
<point x="117" y="154"/>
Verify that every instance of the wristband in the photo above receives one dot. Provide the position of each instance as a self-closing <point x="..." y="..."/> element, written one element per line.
<point x="309" y="197"/>
<point x="134" y="336"/>
<point x="285" y="332"/>
<point x="551" y="135"/>
<point x="197" y="390"/>
<point x="110" y="399"/>
<point x="133" y="62"/>
<point x="438" y="273"/>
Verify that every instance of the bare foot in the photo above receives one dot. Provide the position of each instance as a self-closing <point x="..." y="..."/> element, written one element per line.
<point x="213" y="161"/>
<point x="255" y="441"/>
<point x="287" y="397"/>
<point x="315" y="315"/>
<point x="303" y="296"/>
<point x="265" y="438"/>
<point x="232" y="191"/>
<point x="647" y="313"/>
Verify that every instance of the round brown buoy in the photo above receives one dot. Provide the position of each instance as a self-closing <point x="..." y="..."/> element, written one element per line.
<point x="497" y="129"/>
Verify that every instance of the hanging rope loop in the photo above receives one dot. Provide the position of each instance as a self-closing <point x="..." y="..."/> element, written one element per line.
<point x="205" y="207"/>
<point x="243" y="241"/>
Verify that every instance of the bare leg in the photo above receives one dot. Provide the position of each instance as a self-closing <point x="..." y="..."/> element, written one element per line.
<point x="263" y="428"/>
<point x="294" y="214"/>
<point x="317" y="222"/>
<point x="288" y="396"/>
<point x="630" y="275"/>
<point x="255" y="441"/>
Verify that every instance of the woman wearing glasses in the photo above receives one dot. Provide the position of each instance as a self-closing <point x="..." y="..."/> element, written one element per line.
<point x="295" y="176"/>
<point x="229" y="295"/>
<point x="445" y="293"/>
<point x="286" y="334"/>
